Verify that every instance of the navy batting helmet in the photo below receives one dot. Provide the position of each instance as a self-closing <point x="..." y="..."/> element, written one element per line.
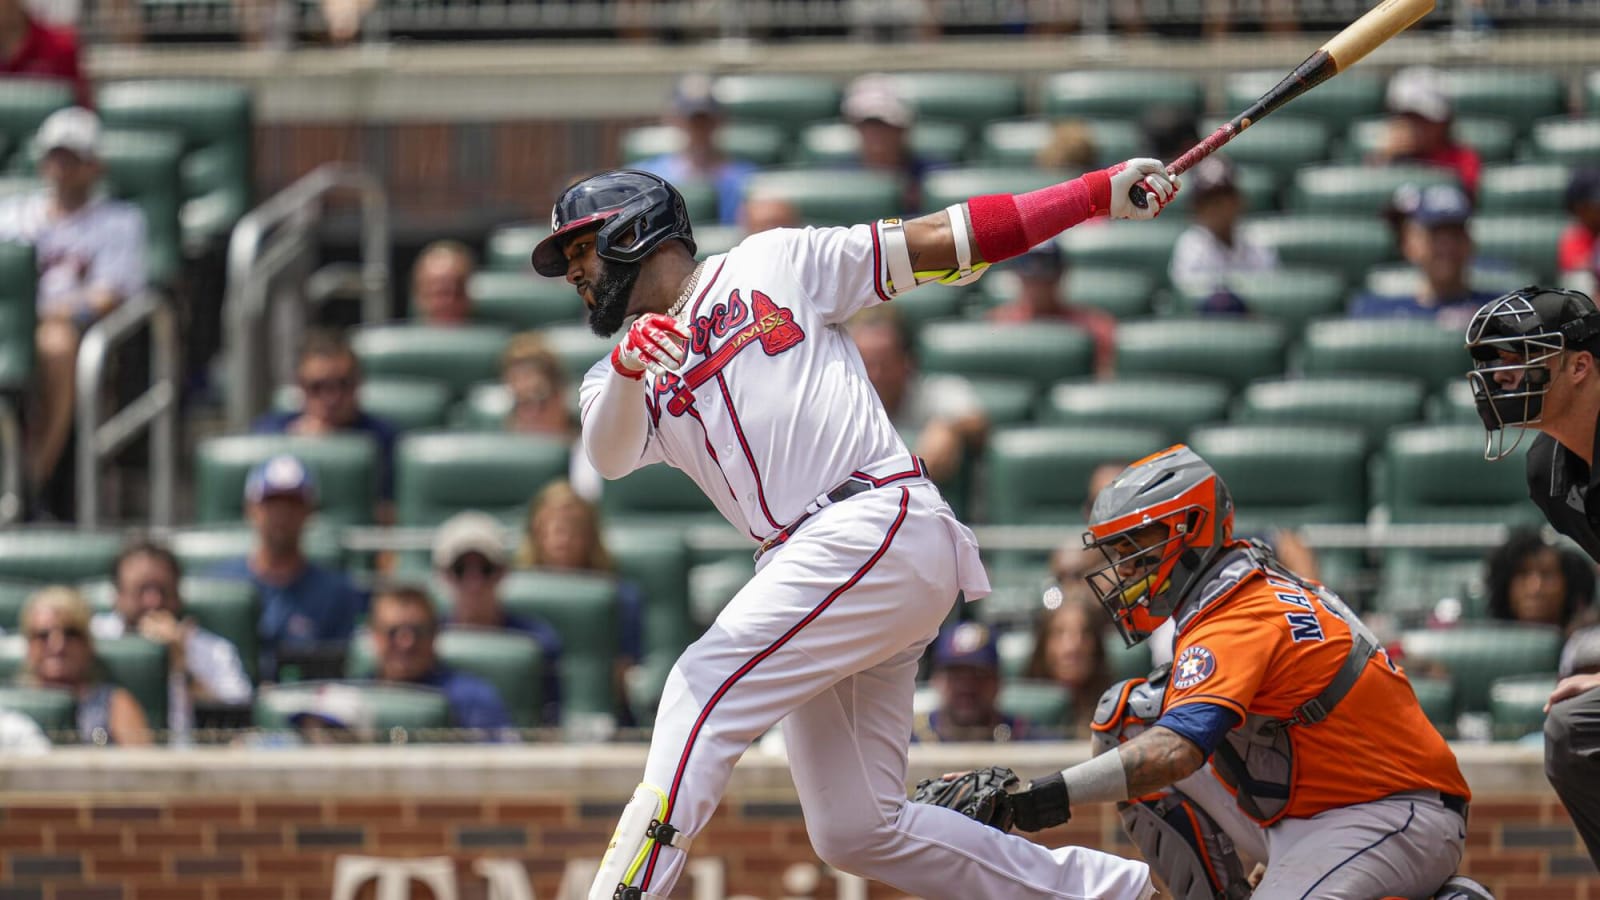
<point x="634" y="212"/>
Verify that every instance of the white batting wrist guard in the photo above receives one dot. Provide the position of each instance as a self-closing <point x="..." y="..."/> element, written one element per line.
<point x="639" y="829"/>
<point x="897" y="254"/>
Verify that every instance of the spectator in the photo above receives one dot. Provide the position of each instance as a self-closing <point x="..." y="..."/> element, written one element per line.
<point x="1042" y="297"/>
<point x="439" y="281"/>
<point x="1530" y="580"/>
<point x="1577" y="251"/>
<point x="91" y="257"/>
<point x="697" y="116"/>
<point x="337" y="714"/>
<point x="1434" y="239"/>
<point x="1212" y="249"/>
<point x="1169" y="131"/>
<point x="329" y="377"/>
<point x="403" y="628"/>
<point x="61" y="655"/>
<point x="883" y="119"/>
<point x="764" y="212"/>
<point x="942" y="411"/>
<point x="202" y="666"/>
<point x="469" y="555"/>
<point x="305" y="609"/>
<point x="538" y="388"/>
<point x="1071" y="149"/>
<point x="966" y="676"/>
<point x="32" y="49"/>
<point x="1420" y="129"/>
<point x="1068" y="649"/>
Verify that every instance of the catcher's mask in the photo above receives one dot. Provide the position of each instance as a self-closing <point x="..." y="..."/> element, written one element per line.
<point x="631" y="214"/>
<point x="1514" y="341"/>
<point x="1159" y="524"/>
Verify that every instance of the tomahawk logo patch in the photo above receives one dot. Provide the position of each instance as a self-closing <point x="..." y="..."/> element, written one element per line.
<point x="1194" y="665"/>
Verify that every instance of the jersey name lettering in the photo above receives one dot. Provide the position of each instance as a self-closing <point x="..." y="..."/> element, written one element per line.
<point x="1304" y="626"/>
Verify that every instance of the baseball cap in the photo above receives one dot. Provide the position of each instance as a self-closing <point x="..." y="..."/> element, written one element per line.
<point x="1042" y="261"/>
<point x="75" y="129"/>
<point x="966" y="644"/>
<point x="693" y="95"/>
<point x="338" y="705"/>
<point x="282" y="475"/>
<point x="1434" y="205"/>
<point x="1420" y="91"/>
<point x="1583" y="187"/>
<point x="1212" y="174"/>
<point x="876" y="98"/>
<point x="469" y="532"/>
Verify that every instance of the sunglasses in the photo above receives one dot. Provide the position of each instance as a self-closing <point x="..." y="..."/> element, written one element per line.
<point x="43" y="635"/>
<point x="416" y="632"/>
<point x="329" y="385"/>
<point x="461" y="568"/>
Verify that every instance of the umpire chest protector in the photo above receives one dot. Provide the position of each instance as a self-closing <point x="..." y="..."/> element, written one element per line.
<point x="1256" y="760"/>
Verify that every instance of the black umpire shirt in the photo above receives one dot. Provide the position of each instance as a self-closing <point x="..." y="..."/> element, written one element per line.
<point x="1562" y="485"/>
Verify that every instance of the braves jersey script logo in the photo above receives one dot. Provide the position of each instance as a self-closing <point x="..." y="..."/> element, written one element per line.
<point x="1194" y="665"/>
<point x="773" y="327"/>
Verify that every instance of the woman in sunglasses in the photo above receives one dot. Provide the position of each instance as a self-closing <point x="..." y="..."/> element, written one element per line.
<point x="61" y="655"/>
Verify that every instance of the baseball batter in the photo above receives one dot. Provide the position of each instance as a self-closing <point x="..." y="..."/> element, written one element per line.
<point x="738" y="372"/>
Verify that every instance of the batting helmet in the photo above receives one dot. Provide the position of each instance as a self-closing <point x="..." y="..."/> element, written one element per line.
<point x="633" y="211"/>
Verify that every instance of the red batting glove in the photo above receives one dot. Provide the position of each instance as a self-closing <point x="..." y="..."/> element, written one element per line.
<point x="654" y="342"/>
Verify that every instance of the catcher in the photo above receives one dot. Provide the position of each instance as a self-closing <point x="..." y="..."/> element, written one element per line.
<point x="1322" y="765"/>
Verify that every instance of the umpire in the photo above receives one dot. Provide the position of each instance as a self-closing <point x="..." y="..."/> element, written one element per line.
<point x="1534" y="367"/>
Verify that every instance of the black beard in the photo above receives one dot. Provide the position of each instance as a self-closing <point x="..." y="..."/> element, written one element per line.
<point x="611" y="294"/>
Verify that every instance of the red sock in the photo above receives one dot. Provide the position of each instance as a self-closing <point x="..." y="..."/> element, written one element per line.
<point x="1008" y="225"/>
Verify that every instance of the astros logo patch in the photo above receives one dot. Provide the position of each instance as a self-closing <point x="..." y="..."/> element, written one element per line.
<point x="1194" y="665"/>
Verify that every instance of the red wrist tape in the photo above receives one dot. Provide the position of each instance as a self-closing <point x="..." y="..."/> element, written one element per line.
<point x="1008" y="225"/>
<point x="624" y="371"/>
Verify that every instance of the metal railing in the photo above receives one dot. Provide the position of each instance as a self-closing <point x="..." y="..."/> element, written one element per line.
<point x="11" y="498"/>
<point x="155" y="409"/>
<point x="269" y="255"/>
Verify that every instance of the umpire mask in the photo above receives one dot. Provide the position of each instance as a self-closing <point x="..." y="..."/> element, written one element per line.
<point x="1514" y="341"/>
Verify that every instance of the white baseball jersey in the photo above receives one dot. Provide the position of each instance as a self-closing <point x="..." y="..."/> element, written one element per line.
<point x="100" y="246"/>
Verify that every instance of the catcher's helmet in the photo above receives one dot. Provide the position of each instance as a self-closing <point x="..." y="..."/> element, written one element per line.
<point x="633" y="211"/>
<point x="1512" y="340"/>
<point x="1148" y="574"/>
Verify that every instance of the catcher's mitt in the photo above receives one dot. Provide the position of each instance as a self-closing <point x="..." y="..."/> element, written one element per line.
<point x="981" y="795"/>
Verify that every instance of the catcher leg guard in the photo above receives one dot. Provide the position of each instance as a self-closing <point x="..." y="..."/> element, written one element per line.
<point x="1185" y="847"/>
<point x="1463" y="888"/>
<point x="638" y="832"/>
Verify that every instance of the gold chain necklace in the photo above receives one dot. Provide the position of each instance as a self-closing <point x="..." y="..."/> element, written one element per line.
<point x="688" y="291"/>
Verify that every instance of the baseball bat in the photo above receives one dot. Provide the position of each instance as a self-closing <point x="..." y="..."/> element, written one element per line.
<point x="1342" y="51"/>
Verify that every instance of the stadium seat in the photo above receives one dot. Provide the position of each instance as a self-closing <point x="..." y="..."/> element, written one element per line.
<point x="760" y="143"/>
<point x="417" y="710"/>
<point x="832" y="197"/>
<point x="1575" y="142"/>
<point x="1516" y="704"/>
<point x="1524" y="187"/>
<point x="1437" y="697"/>
<point x="521" y="300"/>
<point x="1335" y="103"/>
<point x="1040" y="704"/>
<point x="1407" y="348"/>
<point x="141" y="667"/>
<point x="712" y="585"/>
<point x="1529" y="241"/>
<point x="1017" y="142"/>
<point x="485" y="407"/>
<point x="228" y="608"/>
<point x="1120" y="94"/>
<point x="1346" y="244"/>
<point x="14" y="594"/>
<point x="583" y="608"/>
<point x="458" y="357"/>
<point x="1493" y="139"/>
<point x="510" y="247"/>
<point x="1478" y="655"/>
<point x="508" y="660"/>
<point x="942" y="187"/>
<point x="18" y="282"/>
<point x="345" y="465"/>
<point x="1358" y="190"/>
<point x="1518" y="97"/>
<point x="406" y="403"/>
<point x="1454" y="405"/>
<point x="57" y="556"/>
<point x="1124" y="661"/>
<point x="931" y="303"/>
<point x="440" y="474"/>
<point x="1591" y="91"/>
<point x="1412" y="582"/>
<point x="577" y="347"/>
<point x="52" y="709"/>
<point x="699" y="200"/>
<point x="714" y="239"/>
<point x="24" y="105"/>
<point x="839" y="143"/>
<point x="1292" y="295"/>
<point x="786" y="100"/>
<point x="1282" y="143"/>
<point x="202" y="549"/>
<point x="142" y="167"/>
<point x="1015" y="647"/>
<point x="1171" y="405"/>
<point x="1005" y="401"/>
<point x="1399" y="279"/>
<point x="656" y="559"/>
<point x="1040" y="352"/>
<point x="1437" y="474"/>
<point x="1124" y="293"/>
<point x="969" y="98"/>
<point x="214" y="121"/>
<point x="1146" y="246"/>
<point x="657" y="495"/>
<point x="1371" y="405"/>
<point x="1234" y="351"/>
<point x="1039" y="474"/>
<point x="1285" y="475"/>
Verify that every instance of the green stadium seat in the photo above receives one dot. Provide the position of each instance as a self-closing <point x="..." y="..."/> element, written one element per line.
<point x="1518" y="97"/>
<point x="52" y="709"/>
<point x="1282" y="143"/>
<point x="1358" y="190"/>
<point x="345" y="466"/>
<point x="57" y="556"/>
<point x="1454" y="405"/>
<point x="583" y="608"/>
<point x="509" y="660"/>
<point x="577" y="347"/>
<point x="931" y="303"/>
<point x="406" y="403"/>
<point x="1124" y="661"/>
<point x="1366" y="404"/>
<point x="965" y="97"/>
<point x="1039" y="474"/>
<point x="1528" y="241"/>
<point x="457" y="357"/>
<point x="485" y="407"/>
<point x="1171" y="405"/>
<point x="1120" y="94"/>
<point x="1406" y="348"/>
<point x="142" y="167"/>
<point x="1017" y="142"/>
<point x="141" y="667"/>
<point x="510" y="247"/>
<point x="1335" y="103"/>
<point x="699" y="199"/>
<point x="657" y="495"/>
<point x="1437" y="474"/>
<point x="1437" y="697"/>
<point x="1494" y="139"/>
<point x="18" y="283"/>
<point x="1005" y="401"/>
<point x="1040" y="352"/>
<point x="24" y="105"/>
<point x="656" y="559"/>
<point x="1041" y="704"/>
<point x="14" y="595"/>
<point x="440" y="474"/>
<point x="1396" y="279"/>
<point x="521" y="300"/>
<point x="1235" y="351"/>
<point x="712" y="586"/>
<point x="1516" y="704"/>
<point x="942" y="187"/>
<point x="714" y="239"/>
<point x="1135" y="245"/>
<point x="228" y="608"/>
<point x="408" y="708"/>
<point x="831" y="197"/>
<point x="755" y="142"/>
<point x="1412" y="582"/>
<point x="1015" y="647"/>
<point x="1124" y="293"/>
<point x="1346" y="244"/>
<point x="1575" y="142"/>
<point x="214" y="121"/>
<point x="1478" y="655"/>
<point x="839" y="143"/>
<point x="1288" y="475"/>
<point x="1525" y="187"/>
<point x="1292" y="295"/>
<point x="1591" y="91"/>
<point x="786" y="100"/>
<point x="202" y="549"/>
